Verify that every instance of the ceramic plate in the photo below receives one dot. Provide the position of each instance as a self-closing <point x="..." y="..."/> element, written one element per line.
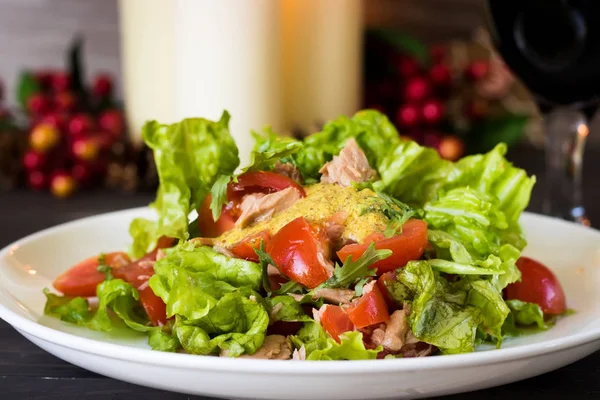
<point x="26" y="267"/>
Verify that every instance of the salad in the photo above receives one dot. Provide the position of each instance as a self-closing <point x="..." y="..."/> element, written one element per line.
<point x="350" y="244"/>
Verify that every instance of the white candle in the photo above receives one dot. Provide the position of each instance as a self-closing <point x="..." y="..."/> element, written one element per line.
<point x="147" y="60"/>
<point x="321" y="60"/>
<point x="227" y="57"/>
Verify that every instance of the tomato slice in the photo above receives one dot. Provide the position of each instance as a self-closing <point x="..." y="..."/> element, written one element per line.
<point x="369" y="309"/>
<point x="154" y="306"/>
<point x="260" y="182"/>
<point x="301" y="252"/>
<point x="82" y="279"/>
<point x="246" y="248"/>
<point x="208" y="226"/>
<point x="335" y="321"/>
<point x="538" y="285"/>
<point x="407" y="246"/>
<point x="381" y="282"/>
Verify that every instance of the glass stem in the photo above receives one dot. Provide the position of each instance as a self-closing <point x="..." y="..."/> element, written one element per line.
<point x="566" y="132"/>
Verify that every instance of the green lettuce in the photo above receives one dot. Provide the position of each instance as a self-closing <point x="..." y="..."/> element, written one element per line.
<point x="69" y="309"/>
<point x="189" y="156"/>
<point x="523" y="317"/>
<point x="286" y="308"/>
<point x="438" y="313"/>
<point x="320" y="346"/>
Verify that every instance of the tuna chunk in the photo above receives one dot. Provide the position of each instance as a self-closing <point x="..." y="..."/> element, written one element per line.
<point x="275" y="347"/>
<point x="259" y="207"/>
<point x="396" y="334"/>
<point x="351" y="165"/>
<point x="288" y="170"/>
<point x="335" y="296"/>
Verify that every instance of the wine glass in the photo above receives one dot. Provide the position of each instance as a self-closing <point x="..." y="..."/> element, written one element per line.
<point x="553" y="46"/>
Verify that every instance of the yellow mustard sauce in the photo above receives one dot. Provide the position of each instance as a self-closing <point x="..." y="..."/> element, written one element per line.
<point x="321" y="202"/>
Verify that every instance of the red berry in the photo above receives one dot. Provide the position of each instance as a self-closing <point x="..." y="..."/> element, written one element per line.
<point x="57" y="120"/>
<point x="416" y="89"/>
<point x="433" y="111"/>
<point x="408" y="67"/>
<point x="33" y="160"/>
<point x="65" y="101"/>
<point x="85" y="149"/>
<point x="60" y="81"/>
<point x="80" y="124"/>
<point x="37" y="180"/>
<point x="81" y="173"/>
<point x="37" y="103"/>
<point x="437" y="53"/>
<point x="44" y="137"/>
<point x="62" y="184"/>
<point x="477" y="70"/>
<point x="112" y="122"/>
<point x="440" y="75"/>
<point x="451" y="148"/>
<point x="103" y="86"/>
<point x="408" y="115"/>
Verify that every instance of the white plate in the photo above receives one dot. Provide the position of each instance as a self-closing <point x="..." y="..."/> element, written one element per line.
<point x="572" y="251"/>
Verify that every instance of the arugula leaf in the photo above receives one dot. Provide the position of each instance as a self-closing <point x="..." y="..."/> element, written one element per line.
<point x="189" y="156"/>
<point x="352" y="271"/>
<point x="105" y="269"/>
<point x="290" y="287"/>
<point x="394" y="210"/>
<point x="264" y="259"/>
<point x="219" y="195"/>
<point x="271" y="148"/>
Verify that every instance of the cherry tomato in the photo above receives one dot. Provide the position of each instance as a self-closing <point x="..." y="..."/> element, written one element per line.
<point x="208" y="227"/>
<point x="260" y="182"/>
<point x="154" y="306"/>
<point x="387" y="276"/>
<point x="335" y="321"/>
<point x="538" y="285"/>
<point x="82" y="279"/>
<point x="300" y="251"/>
<point x="407" y="246"/>
<point x="245" y="248"/>
<point x="369" y="309"/>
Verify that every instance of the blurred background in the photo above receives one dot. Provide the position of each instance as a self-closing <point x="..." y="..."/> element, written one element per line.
<point x="80" y="77"/>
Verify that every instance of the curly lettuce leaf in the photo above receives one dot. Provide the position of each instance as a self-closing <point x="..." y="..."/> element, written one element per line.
<point x="438" y="316"/>
<point x="233" y="326"/>
<point x="286" y="308"/>
<point x="320" y="346"/>
<point x="524" y="317"/>
<point x="69" y="309"/>
<point x="189" y="156"/>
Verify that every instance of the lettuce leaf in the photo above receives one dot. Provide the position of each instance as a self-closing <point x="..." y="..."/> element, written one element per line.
<point x="69" y="309"/>
<point x="189" y="156"/>
<point x="320" y="346"/>
<point x="523" y="316"/>
<point x="286" y="308"/>
<point x="438" y="315"/>
<point x="235" y="324"/>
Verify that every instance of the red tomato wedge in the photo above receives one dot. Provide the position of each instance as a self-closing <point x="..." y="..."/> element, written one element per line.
<point x="82" y="279"/>
<point x="246" y="248"/>
<point x="210" y="228"/>
<point x="335" y="321"/>
<point x="407" y="246"/>
<point x="154" y="306"/>
<point x="260" y="182"/>
<point x="300" y="251"/>
<point x="369" y="309"/>
<point x="538" y="285"/>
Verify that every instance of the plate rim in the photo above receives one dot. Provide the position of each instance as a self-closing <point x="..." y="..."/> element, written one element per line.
<point x="278" y="367"/>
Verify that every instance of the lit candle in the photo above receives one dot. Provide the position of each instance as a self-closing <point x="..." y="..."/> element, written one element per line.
<point x="227" y="57"/>
<point x="322" y="43"/>
<point x="147" y="62"/>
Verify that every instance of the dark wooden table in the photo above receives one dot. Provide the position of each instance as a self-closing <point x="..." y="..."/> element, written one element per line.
<point x="27" y="372"/>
